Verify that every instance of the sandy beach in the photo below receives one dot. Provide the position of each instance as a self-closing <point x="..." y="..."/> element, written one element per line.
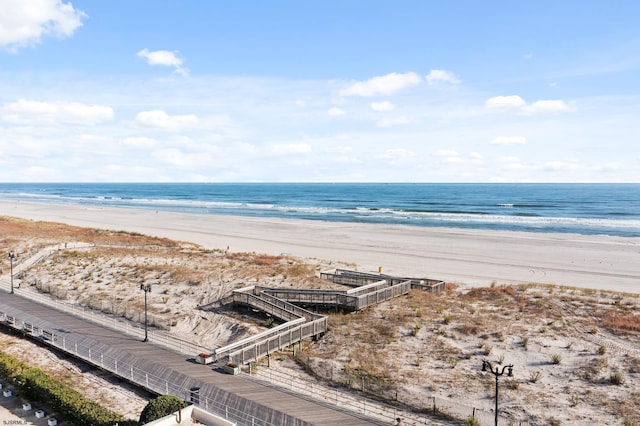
<point x="470" y="257"/>
<point x="568" y="342"/>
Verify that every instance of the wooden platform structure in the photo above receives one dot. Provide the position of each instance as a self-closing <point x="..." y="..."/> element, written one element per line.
<point x="299" y="323"/>
<point x="163" y="371"/>
<point x="356" y="279"/>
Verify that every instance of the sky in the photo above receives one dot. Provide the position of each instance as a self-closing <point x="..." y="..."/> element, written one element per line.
<point x="319" y="91"/>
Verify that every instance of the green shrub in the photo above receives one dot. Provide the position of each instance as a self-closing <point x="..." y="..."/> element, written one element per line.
<point x="36" y="385"/>
<point x="616" y="378"/>
<point x="68" y="403"/>
<point x="10" y="367"/>
<point x="472" y="421"/>
<point x="161" y="406"/>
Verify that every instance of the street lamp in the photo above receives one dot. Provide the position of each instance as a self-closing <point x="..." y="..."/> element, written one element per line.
<point x="497" y="372"/>
<point x="146" y="289"/>
<point x="12" y="256"/>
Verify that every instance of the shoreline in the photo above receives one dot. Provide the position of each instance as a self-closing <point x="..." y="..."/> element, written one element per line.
<point x="464" y="256"/>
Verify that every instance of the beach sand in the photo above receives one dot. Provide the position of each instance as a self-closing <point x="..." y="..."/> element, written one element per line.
<point x="422" y="337"/>
<point x="463" y="256"/>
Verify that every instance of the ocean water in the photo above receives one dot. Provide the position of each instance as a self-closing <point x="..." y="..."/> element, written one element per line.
<point x="591" y="209"/>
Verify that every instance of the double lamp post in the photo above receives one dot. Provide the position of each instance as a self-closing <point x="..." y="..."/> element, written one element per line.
<point x="497" y="372"/>
<point x="12" y="256"/>
<point x="146" y="289"/>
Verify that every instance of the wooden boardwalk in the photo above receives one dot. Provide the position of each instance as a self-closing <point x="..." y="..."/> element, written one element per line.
<point x="164" y="371"/>
<point x="299" y="323"/>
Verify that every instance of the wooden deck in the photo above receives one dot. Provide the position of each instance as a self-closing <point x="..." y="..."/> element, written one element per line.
<point x="300" y="323"/>
<point x="358" y="279"/>
<point x="163" y="371"/>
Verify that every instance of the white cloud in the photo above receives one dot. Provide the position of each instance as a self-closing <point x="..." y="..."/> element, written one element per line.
<point x="290" y="149"/>
<point x="513" y="101"/>
<point x="383" y="85"/>
<point x="340" y="150"/>
<point x="451" y="156"/>
<point x="548" y="107"/>
<point x="560" y="165"/>
<point x="161" y="120"/>
<point x="447" y="153"/>
<point x="509" y="140"/>
<point x="347" y="160"/>
<point x="441" y="76"/>
<point x="383" y="106"/>
<point x="163" y="58"/>
<point x="24" y="23"/>
<point x="140" y="142"/>
<point x="509" y="159"/>
<point x="336" y="112"/>
<point x="396" y="154"/>
<point x="390" y="122"/>
<point x="553" y="106"/>
<point x="514" y="166"/>
<point x="60" y="112"/>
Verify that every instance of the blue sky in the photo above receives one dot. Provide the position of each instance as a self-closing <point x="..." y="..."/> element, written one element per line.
<point x="319" y="91"/>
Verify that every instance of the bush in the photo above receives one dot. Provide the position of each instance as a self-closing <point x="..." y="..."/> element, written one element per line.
<point x="602" y="349"/>
<point x="161" y="406"/>
<point x="71" y="405"/>
<point x="487" y="348"/>
<point x="556" y="359"/>
<point x="67" y="402"/>
<point x="534" y="376"/>
<point x="472" y="421"/>
<point x="616" y="378"/>
<point x="512" y="383"/>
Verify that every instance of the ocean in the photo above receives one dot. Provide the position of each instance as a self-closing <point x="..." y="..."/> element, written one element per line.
<point x="588" y="209"/>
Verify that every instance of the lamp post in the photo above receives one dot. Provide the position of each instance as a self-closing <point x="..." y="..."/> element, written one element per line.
<point x="497" y="372"/>
<point x="146" y="289"/>
<point x="12" y="256"/>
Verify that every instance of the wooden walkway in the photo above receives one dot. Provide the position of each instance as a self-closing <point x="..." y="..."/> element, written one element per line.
<point x="299" y="323"/>
<point x="357" y="279"/>
<point x="163" y="371"/>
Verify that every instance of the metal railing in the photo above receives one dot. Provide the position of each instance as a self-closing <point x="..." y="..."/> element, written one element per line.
<point x="133" y="373"/>
<point x="159" y="337"/>
<point x="385" y="411"/>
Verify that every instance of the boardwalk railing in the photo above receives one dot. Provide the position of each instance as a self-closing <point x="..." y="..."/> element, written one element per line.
<point x="301" y="324"/>
<point x="357" y="279"/>
<point x="381" y="410"/>
<point x="125" y="367"/>
<point x="159" y="337"/>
